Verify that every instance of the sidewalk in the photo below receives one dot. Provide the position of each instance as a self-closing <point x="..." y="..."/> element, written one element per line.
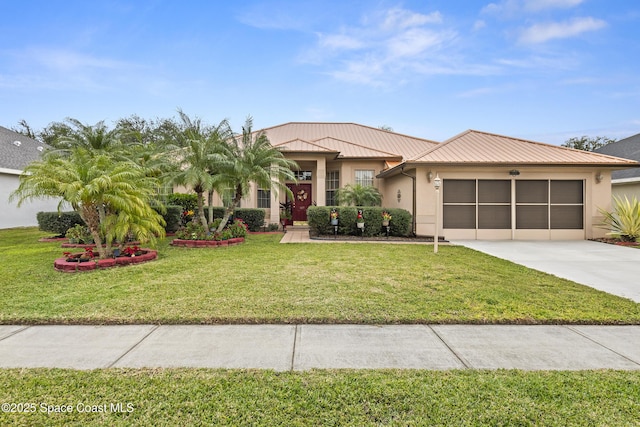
<point x="304" y="347"/>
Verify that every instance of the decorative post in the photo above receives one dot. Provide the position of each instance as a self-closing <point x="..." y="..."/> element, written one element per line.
<point x="386" y="217"/>
<point x="334" y="222"/>
<point x="436" y="183"/>
<point x="360" y="221"/>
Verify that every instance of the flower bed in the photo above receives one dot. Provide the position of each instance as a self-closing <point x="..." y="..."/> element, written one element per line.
<point x="74" y="263"/>
<point x="188" y="243"/>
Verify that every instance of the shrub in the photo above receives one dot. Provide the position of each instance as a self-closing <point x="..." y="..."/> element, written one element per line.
<point x="58" y="222"/>
<point x="254" y="218"/>
<point x="172" y="217"/>
<point x="189" y="202"/>
<point x="193" y="231"/>
<point x="238" y="228"/>
<point x="79" y="234"/>
<point x="318" y="218"/>
<point x="624" y="221"/>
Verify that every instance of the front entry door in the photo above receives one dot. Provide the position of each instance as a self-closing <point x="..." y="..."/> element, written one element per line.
<point x="301" y="200"/>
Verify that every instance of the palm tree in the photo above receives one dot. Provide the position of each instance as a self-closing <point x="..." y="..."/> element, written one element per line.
<point x="359" y="195"/>
<point x="112" y="197"/>
<point x="248" y="159"/>
<point x="96" y="138"/>
<point x="198" y="159"/>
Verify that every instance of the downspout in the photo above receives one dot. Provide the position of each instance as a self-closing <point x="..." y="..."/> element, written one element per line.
<point x="413" y="207"/>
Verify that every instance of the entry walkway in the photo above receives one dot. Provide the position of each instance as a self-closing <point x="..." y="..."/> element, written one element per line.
<point x="304" y="347"/>
<point x="609" y="268"/>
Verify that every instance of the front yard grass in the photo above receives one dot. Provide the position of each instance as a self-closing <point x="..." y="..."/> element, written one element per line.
<point x="319" y="398"/>
<point x="263" y="281"/>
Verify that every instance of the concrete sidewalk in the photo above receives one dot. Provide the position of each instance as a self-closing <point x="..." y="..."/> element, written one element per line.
<point x="304" y="347"/>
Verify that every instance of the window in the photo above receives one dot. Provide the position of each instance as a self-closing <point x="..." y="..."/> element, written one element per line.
<point x="303" y="175"/>
<point x="332" y="183"/>
<point x="555" y="205"/>
<point x="264" y="199"/>
<point x="365" y="178"/>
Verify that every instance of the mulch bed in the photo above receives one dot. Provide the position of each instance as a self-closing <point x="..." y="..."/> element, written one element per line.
<point x="617" y="242"/>
<point x="347" y="238"/>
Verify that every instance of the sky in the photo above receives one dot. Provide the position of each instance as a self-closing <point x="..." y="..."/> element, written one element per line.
<point x="543" y="70"/>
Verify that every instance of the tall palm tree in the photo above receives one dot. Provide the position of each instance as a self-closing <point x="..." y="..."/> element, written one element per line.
<point x="96" y="138"/>
<point x="198" y="160"/>
<point x="251" y="158"/>
<point x="112" y="197"/>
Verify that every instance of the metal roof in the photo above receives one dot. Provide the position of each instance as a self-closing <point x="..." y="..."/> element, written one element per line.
<point x="350" y="139"/>
<point x="475" y="147"/>
<point x="17" y="150"/>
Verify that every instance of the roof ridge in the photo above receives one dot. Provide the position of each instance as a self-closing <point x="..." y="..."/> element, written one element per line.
<point x="307" y="142"/>
<point x="360" y="145"/>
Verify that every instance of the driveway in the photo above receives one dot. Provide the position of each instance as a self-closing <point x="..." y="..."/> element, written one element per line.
<point x="609" y="268"/>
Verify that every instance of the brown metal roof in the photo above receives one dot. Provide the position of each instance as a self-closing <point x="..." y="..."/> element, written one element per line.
<point x="350" y="139"/>
<point x="475" y="147"/>
<point x="298" y="145"/>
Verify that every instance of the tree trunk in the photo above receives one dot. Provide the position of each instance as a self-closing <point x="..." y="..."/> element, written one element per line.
<point x="210" y="206"/>
<point x="229" y="211"/>
<point x="203" y="219"/>
<point x="90" y="216"/>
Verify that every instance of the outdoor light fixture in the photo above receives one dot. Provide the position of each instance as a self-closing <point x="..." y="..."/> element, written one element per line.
<point x="429" y="176"/>
<point x="599" y="177"/>
<point x="514" y="172"/>
<point x="399" y="196"/>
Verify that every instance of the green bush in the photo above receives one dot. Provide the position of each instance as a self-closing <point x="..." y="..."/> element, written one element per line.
<point x="189" y="202"/>
<point x="319" y="221"/>
<point x="254" y="218"/>
<point x="58" y="222"/>
<point x="172" y="217"/>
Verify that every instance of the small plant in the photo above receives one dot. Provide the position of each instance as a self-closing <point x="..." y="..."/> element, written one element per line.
<point x="334" y="215"/>
<point x="187" y="216"/>
<point x="386" y="216"/>
<point x="131" y="251"/>
<point x="624" y="221"/>
<point x="79" y="234"/>
<point x="238" y="228"/>
<point x="359" y="218"/>
<point x="192" y="231"/>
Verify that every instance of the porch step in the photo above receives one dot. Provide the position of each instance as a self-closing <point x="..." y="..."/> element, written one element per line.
<point x="298" y="227"/>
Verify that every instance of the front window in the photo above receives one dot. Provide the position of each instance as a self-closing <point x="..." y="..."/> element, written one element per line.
<point x="303" y="175"/>
<point x="264" y="199"/>
<point x="332" y="183"/>
<point x="364" y="178"/>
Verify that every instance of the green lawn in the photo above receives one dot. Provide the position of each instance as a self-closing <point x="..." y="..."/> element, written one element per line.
<point x="184" y="397"/>
<point x="265" y="282"/>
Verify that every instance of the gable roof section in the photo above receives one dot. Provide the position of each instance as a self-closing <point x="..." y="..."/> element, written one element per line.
<point x="350" y="139"/>
<point x="481" y="148"/>
<point x="17" y="150"/>
<point x="299" y="145"/>
<point x="628" y="148"/>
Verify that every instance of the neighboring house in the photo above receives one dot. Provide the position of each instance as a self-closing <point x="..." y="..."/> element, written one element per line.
<point x="625" y="182"/>
<point x="493" y="187"/>
<point x="16" y="152"/>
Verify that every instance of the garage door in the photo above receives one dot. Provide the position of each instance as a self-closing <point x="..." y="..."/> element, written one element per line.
<point x="506" y="208"/>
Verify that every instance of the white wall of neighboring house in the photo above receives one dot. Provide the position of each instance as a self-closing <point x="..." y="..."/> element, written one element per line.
<point x="24" y="216"/>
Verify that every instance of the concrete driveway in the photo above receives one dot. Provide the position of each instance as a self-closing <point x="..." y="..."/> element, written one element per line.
<point x="609" y="268"/>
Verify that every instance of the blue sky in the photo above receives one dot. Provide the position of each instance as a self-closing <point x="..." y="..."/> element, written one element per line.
<point x="545" y="70"/>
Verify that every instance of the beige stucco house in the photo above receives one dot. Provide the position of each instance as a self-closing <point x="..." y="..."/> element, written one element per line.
<point x="492" y="186"/>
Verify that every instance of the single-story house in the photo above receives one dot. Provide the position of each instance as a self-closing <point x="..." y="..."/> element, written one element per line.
<point x="624" y="182"/>
<point x="492" y="186"/>
<point x="16" y="152"/>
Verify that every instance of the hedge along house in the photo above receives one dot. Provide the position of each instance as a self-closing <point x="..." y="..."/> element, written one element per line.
<point x="493" y="187"/>
<point x="16" y="152"/>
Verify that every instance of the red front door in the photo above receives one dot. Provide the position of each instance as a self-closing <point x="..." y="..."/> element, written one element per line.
<point x="301" y="200"/>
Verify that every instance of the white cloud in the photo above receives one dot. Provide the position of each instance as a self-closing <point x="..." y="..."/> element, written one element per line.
<point x="537" y="5"/>
<point x="400" y="19"/>
<point x="415" y="41"/>
<point x="339" y="41"/>
<point x="541" y="33"/>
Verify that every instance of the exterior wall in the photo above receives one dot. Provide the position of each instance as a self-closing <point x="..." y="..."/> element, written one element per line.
<point x="395" y="184"/>
<point x="629" y="189"/>
<point x="597" y="195"/>
<point x="24" y="216"/>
